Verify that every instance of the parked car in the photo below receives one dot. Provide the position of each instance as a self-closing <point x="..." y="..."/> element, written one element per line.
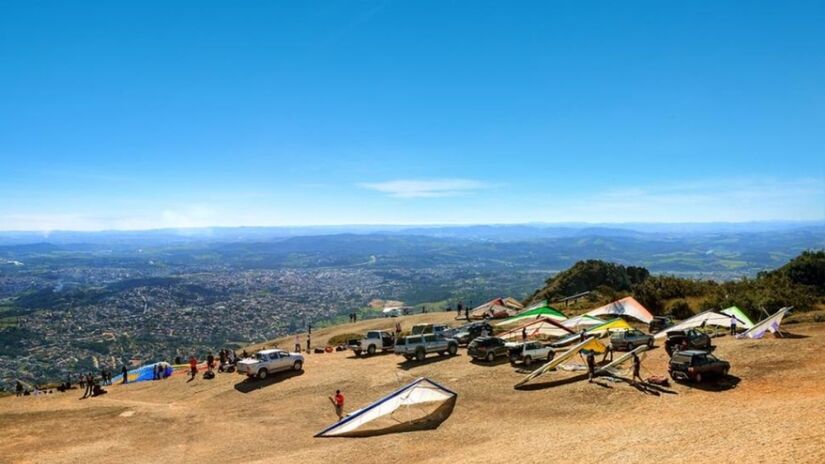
<point x="690" y="339"/>
<point x="437" y="329"/>
<point x="630" y="339"/>
<point x="528" y="352"/>
<point x="696" y="366"/>
<point x="373" y="341"/>
<point x="487" y="348"/>
<point x="418" y="346"/>
<point x="267" y="362"/>
<point x="659" y="323"/>
<point x="467" y="332"/>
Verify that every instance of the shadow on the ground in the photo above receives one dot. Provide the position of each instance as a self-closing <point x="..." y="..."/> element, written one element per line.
<point x="786" y="334"/>
<point x="251" y="384"/>
<point x="555" y="383"/>
<point x="496" y="362"/>
<point x="366" y="356"/>
<point x="430" y="359"/>
<point x="719" y="384"/>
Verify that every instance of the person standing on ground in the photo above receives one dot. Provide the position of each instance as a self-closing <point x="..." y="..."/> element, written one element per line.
<point x="397" y="330"/>
<point x="467" y="313"/>
<point x="338" y="402"/>
<point x="210" y="361"/>
<point x="732" y="325"/>
<point x="591" y="366"/>
<point x="87" y="392"/>
<point x="637" y="364"/>
<point x="608" y="352"/>
<point x="19" y="388"/>
<point x="524" y="334"/>
<point x="459" y="307"/>
<point x="125" y="373"/>
<point x="297" y="343"/>
<point x="193" y="367"/>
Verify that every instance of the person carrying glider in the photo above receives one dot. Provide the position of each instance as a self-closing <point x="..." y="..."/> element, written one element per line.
<point x="608" y="352"/>
<point x="637" y="364"/>
<point x="338" y="402"/>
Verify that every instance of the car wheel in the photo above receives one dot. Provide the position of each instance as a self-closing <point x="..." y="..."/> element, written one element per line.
<point x="262" y="374"/>
<point x="550" y="356"/>
<point x="528" y="361"/>
<point x="698" y="378"/>
<point x="419" y="355"/>
<point x="371" y="350"/>
<point x="491" y="357"/>
<point x="298" y="365"/>
<point x="452" y="349"/>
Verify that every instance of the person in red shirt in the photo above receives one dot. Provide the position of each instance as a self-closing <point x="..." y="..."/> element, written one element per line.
<point x="193" y="367"/>
<point x="338" y="402"/>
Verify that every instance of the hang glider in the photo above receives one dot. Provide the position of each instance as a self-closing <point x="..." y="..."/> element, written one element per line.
<point x="746" y="322"/>
<point x="576" y="324"/>
<point x="497" y="308"/>
<point x="535" y="313"/>
<point x="590" y="343"/>
<point x="419" y="405"/>
<point x="541" y="328"/>
<point x="537" y="304"/>
<point x="771" y="324"/>
<point x="709" y="317"/>
<point x="627" y="306"/>
<point x="599" y="330"/>
<point x="610" y="369"/>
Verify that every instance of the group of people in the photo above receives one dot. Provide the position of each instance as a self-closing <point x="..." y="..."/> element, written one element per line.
<point x="591" y="365"/>
<point x="461" y="308"/>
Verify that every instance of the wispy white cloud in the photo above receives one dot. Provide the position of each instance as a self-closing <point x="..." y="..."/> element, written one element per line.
<point x="414" y="188"/>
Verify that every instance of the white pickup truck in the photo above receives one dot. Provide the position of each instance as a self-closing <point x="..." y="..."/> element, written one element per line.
<point x="527" y="352"/>
<point x="266" y="362"/>
<point x="373" y="341"/>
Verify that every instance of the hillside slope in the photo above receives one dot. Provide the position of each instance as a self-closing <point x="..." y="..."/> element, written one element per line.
<point x="772" y="414"/>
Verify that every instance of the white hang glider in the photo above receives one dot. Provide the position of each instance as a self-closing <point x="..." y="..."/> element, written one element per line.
<point x="709" y="317"/>
<point x="419" y="405"/>
<point x="590" y="343"/>
<point x="541" y="328"/>
<point x="771" y="324"/>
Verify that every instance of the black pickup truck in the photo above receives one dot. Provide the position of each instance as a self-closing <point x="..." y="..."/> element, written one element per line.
<point x="680" y="340"/>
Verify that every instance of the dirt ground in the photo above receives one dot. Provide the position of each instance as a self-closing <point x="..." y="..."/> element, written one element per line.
<point x="771" y="409"/>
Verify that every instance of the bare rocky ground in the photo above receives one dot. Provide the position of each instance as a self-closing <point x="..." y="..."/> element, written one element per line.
<point x="772" y="409"/>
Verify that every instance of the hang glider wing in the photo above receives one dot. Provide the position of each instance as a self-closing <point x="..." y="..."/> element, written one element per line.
<point x="746" y="322"/>
<point x="771" y="324"/>
<point x="609" y="369"/>
<point x="581" y="322"/>
<point x="589" y="344"/>
<point x="541" y="328"/>
<point x="535" y="313"/>
<point x="709" y="317"/>
<point x="627" y="306"/>
<point x="600" y="330"/>
<point x="419" y="405"/>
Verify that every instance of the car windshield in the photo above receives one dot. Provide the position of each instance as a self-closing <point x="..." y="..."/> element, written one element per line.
<point x="681" y="359"/>
<point x="261" y="357"/>
<point x="373" y="334"/>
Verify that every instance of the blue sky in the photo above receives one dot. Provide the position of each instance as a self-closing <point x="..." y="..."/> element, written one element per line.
<point x="135" y="115"/>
